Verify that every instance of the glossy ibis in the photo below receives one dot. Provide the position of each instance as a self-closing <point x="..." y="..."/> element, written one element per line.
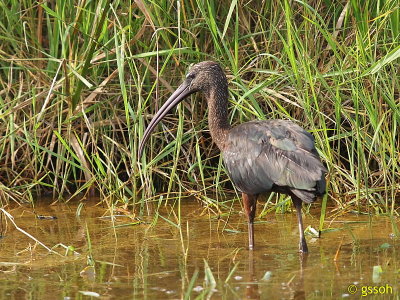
<point x="260" y="156"/>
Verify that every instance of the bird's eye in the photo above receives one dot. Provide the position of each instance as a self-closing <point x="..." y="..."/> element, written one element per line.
<point x="190" y="76"/>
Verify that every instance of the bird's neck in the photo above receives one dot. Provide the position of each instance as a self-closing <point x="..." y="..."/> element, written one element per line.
<point x="218" y="122"/>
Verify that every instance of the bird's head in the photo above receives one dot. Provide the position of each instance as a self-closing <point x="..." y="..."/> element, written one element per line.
<point x="202" y="77"/>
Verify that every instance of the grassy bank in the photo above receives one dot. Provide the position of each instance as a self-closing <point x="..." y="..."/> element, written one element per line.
<point x="80" y="80"/>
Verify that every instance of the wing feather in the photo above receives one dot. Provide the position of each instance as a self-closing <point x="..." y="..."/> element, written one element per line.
<point x="263" y="155"/>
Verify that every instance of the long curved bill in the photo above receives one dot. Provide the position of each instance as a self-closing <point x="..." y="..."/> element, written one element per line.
<point x="181" y="92"/>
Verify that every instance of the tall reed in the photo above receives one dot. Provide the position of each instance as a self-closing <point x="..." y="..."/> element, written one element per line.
<point x="79" y="81"/>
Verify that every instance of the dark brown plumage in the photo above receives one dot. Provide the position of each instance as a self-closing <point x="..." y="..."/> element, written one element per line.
<point x="260" y="156"/>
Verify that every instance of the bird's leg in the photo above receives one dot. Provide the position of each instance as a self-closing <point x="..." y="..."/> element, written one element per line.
<point x="249" y="203"/>
<point x="303" y="244"/>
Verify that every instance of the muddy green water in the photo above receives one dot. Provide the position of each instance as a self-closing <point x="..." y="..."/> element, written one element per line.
<point x="202" y="259"/>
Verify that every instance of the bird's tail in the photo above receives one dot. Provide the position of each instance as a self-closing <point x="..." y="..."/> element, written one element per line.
<point x="305" y="196"/>
<point x="311" y="196"/>
<point x="321" y="186"/>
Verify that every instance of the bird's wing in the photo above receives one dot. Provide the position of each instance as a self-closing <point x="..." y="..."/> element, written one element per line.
<point x="263" y="154"/>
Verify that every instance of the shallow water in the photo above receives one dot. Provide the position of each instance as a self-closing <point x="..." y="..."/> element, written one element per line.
<point x="206" y="257"/>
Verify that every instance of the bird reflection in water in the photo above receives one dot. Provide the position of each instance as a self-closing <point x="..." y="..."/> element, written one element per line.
<point x="294" y="288"/>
